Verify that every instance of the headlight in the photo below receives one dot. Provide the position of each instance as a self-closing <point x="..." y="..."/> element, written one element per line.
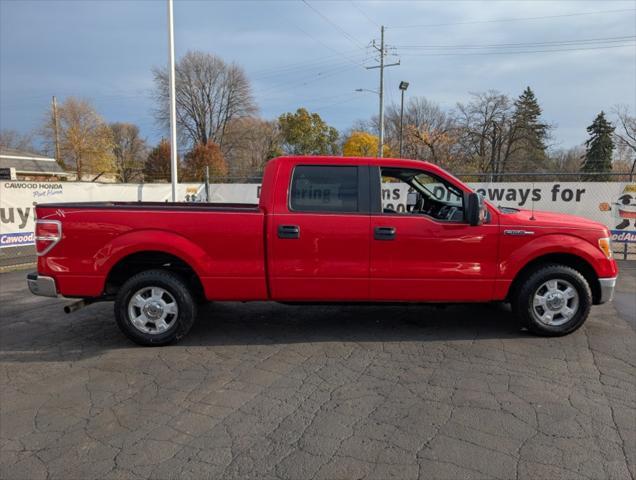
<point x="605" y="244"/>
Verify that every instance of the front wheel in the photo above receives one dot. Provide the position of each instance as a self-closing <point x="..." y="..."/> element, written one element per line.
<point x="553" y="301"/>
<point x="155" y="307"/>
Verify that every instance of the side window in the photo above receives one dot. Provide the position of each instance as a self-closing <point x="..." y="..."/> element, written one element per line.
<point x="317" y="188"/>
<point x="415" y="192"/>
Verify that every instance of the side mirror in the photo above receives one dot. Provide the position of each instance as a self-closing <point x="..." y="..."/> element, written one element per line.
<point x="475" y="209"/>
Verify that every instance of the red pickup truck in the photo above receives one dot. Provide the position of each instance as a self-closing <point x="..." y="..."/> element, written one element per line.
<point x="325" y="230"/>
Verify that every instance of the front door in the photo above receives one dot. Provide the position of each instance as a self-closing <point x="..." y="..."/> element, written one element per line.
<point x="319" y="241"/>
<point x="421" y="247"/>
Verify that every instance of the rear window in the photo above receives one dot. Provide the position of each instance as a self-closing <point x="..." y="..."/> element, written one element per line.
<point x="318" y="188"/>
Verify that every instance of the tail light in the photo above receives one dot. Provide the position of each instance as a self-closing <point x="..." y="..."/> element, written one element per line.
<point x="47" y="234"/>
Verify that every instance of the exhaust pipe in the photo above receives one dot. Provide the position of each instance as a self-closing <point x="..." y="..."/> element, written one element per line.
<point x="72" y="307"/>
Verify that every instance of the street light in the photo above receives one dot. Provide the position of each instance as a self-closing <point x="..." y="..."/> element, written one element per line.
<point x="403" y="86"/>
<point x="370" y="91"/>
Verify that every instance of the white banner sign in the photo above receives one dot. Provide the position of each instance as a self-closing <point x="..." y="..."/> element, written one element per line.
<point x="613" y="204"/>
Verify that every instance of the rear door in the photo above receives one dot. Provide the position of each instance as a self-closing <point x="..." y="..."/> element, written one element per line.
<point x="318" y="233"/>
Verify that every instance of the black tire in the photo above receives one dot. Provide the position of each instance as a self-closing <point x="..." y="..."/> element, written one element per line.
<point x="523" y="300"/>
<point x="180" y="323"/>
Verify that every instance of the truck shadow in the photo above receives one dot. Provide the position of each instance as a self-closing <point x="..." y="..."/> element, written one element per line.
<point x="51" y="336"/>
<point x="271" y="323"/>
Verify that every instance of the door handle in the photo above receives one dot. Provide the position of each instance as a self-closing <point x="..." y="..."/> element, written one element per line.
<point x="288" y="231"/>
<point x="384" y="233"/>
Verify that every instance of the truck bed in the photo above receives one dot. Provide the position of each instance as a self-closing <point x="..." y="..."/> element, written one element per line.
<point x="212" y="206"/>
<point x="223" y="242"/>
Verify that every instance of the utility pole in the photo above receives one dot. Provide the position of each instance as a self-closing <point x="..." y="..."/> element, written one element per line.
<point x="173" y="107"/>
<point x="56" y="131"/>
<point x="382" y="66"/>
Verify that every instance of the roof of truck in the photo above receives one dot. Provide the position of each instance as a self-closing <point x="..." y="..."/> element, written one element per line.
<point x="386" y="162"/>
<point x="374" y="161"/>
<point x="362" y="160"/>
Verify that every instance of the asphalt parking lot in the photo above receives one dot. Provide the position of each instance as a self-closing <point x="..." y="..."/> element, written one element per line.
<point x="273" y="391"/>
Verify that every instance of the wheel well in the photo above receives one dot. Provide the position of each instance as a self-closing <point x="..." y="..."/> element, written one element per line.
<point x="569" y="260"/>
<point x="150" y="260"/>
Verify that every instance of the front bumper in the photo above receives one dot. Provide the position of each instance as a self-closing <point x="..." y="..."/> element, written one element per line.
<point x="607" y="289"/>
<point x="40" y="285"/>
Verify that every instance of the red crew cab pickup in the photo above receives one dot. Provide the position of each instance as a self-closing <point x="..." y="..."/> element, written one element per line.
<point x="326" y="229"/>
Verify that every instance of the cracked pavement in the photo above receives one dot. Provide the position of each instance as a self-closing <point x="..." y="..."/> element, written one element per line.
<point x="326" y="392"/>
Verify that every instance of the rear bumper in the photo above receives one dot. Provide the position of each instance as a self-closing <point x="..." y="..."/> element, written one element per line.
<point x="40" y="285"/>
<point x="607" y="289"/>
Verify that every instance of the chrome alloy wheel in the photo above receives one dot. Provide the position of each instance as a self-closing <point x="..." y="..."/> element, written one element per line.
<point x="555" y="302"/>
<point x="153" y="310"/>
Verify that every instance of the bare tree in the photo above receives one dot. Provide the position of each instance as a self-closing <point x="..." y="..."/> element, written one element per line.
<point x="209" y="95"/>
<point x="487" y="130"/>
<point x="625" y="135"/>
<point x="85" y="139"/>
<point x="16" y="140"/>
<point x="249" y="143"/>
<point x="129" y="151"/>
<point x="567" y="160"/>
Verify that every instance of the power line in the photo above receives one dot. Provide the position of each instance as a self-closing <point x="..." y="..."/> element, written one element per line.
<point x="334" y="25"/>
<point x="514" y="19"/>
<point x="294" y="65"/>
<point x="526" y="44"/>
<point x="303" y="70"/>
<point x="513" y="52"/>
<point x="364" y="14"/>
<point x="328" y="47"/>
<point x="306" y="80"/>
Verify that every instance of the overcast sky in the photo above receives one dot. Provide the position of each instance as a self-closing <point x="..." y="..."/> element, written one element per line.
<point x="314" y="55"/>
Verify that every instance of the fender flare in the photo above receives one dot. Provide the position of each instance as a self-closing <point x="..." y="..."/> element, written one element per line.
<point x="550" y="244"/>
<point x="151" y="240"/>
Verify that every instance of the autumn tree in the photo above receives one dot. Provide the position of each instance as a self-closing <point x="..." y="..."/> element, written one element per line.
<point x="210" y="93"/>
<point x="427" y="131"/>
<point x="129" y="151"/>
<point x="84" y="138"/>
<point x="305" y="133"/>
<point x="157" y="164"/>
<point x="204" y="156"/>
<point x="599" y="148"/>
<point x="363" y="144"/>
<point x="249" y="143"/>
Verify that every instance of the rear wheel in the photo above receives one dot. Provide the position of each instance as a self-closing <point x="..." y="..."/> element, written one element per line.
<point x="155" y="307"/>
<point x="554" y="300"/>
